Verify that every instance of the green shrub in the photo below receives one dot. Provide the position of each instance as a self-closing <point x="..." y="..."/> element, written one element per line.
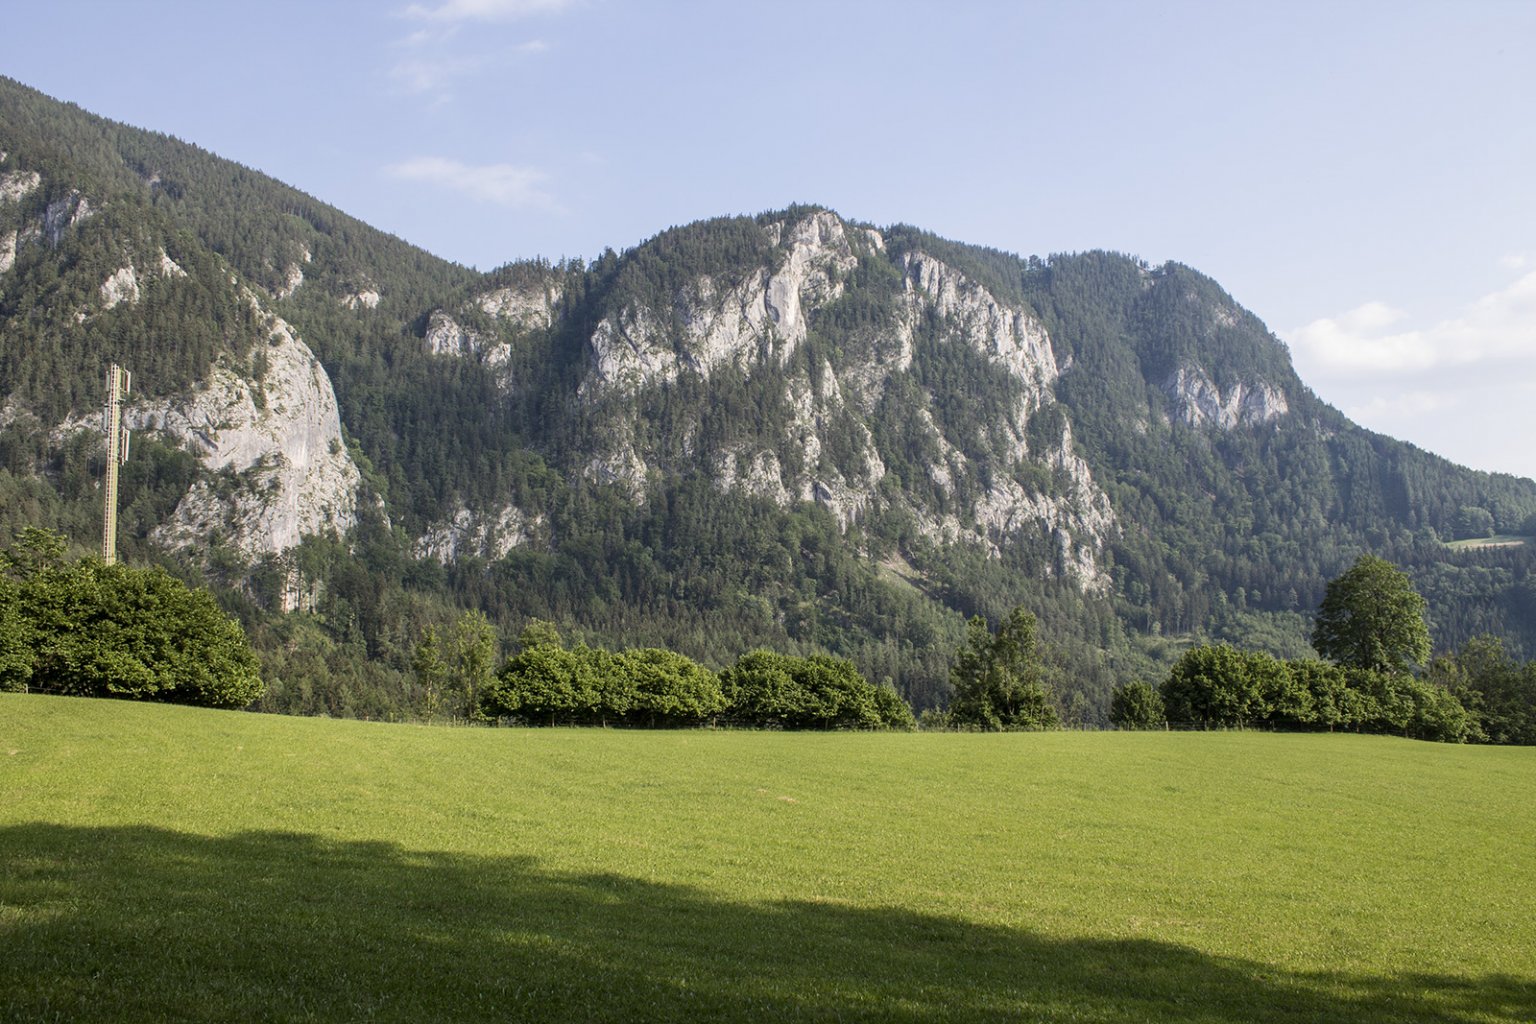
<point x="1136" y="705"/>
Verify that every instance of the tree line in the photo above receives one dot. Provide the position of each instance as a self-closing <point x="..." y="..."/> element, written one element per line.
<point x="90" y="629"/>
<point x="1371" y="630"/>
<point x="549" y="683"/>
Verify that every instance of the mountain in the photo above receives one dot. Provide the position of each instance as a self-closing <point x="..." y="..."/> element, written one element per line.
<point x="793" y="430"/>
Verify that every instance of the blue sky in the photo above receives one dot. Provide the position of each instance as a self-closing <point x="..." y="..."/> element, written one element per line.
<point x="1362" y="175"/>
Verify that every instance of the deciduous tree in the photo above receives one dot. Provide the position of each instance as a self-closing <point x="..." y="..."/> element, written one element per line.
<point x="1372" y="618"/>
<point x="996" y="679"/>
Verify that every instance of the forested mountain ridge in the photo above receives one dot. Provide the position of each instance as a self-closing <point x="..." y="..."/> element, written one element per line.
<point x="790" y="430"/>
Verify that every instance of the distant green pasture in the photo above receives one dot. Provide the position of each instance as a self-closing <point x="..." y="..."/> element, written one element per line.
<point x="1502" y="540"/>
<point x="162" y="863"/>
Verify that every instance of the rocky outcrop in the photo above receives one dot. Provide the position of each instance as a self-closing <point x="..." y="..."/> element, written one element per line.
<point x="63" y="214"/>
<point x="365" y="298"/>
<point x="523" y="308"/>
<point x="17" y="185"/>
<point x="1195" y="399"/>
<point x="280" y="469"/>
<point x="713" y="323"/>
<point x="292" y="278"/>
<point x="620" y="466"/>
<point x="846" y="490"/>
<point x="754" y="473"/>
<point x="484" y="535"/>
<point x="7" y="251"/>
<point x="169" y="267"/>
<point x="1009" y="336"/>
<point x="122" y="286"/>
<point x="447" y="337"/>
<point x="125" y="285"/>
<point x="765" y="319"/>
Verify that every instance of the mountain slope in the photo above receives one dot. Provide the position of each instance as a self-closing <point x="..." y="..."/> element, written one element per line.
<point x="790" y="429"/>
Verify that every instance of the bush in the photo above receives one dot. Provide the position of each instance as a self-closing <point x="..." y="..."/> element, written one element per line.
<point x="95" y="630"/>
<point x="545" y="683"/>
<point x="1213" y="685"/>
<point x="669" y="688"/>
<point x="818" y="692"/>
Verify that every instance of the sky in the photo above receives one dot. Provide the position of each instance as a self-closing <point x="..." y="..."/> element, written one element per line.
<point x="1360" y="174"/>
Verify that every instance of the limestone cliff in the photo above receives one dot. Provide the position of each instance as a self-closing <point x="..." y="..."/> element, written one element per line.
<point x="487" y="535"/>
<point x="761" y="320"/>
<point x="279" y="470"/>
<point x="827" y="452"/>
<point x="1196" y="400"/>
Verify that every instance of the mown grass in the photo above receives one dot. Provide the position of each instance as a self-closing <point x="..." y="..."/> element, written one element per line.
<point x="165" y="863"/>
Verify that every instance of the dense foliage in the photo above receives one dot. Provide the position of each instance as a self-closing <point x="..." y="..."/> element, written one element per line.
<point x="1137" y="705"/>
<point x="1218" y="686"/>
<point x="1371" y="618"/>
<point x="996" y="680"/>
<point x="1371" y="627"/>
<point x="1497" y="689"/>
<point x="546" y="683"/>
<point x="95" y="630"/>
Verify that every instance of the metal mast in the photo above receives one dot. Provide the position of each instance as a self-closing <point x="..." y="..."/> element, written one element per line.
<point x="119" y="383"/>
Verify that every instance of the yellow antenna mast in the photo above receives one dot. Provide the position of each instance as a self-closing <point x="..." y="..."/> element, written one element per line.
<point x="119" y="383"/>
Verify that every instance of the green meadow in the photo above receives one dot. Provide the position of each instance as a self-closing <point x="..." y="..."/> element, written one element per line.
<point x="163" y="863"/>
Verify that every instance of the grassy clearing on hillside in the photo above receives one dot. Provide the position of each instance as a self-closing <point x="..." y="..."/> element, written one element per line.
<point x="1502" y="540"/>
<point x="177" y="864"/>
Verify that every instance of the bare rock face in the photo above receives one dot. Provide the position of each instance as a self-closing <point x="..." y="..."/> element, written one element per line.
<point x="1010" y="337"/>
<point x="446" y="338"/>
<point x="754" y="473"/>
<point x="282" y="471"/>
<point x="7" y="251"/>
<point x="529" y="309"/>
<point x="1197" y="401"/>
<point x="485" y="535"/>
<point x="759" y="320"/>
<point x="169" y="267"/>
<point x="764" y="319"/>
<point x="63" y="214"/>
<point x="122" y="286"/>
<point x="365" y="298"/>
<point x="293" y="277"/>
<point x="620" y="466"/>
<point x="17" y="185"/>
<point x="126" y="284"/>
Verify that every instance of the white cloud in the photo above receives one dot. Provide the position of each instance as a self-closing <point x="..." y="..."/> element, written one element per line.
<point x="484" y="10"/>
<point x="419" y="75"/>
<point x="441" y="53"/>
<point x="499" y="184"/>
<point x="1369" y="341"/>
<point x="1461" y="387"/>
<point x="1402" y="406"/>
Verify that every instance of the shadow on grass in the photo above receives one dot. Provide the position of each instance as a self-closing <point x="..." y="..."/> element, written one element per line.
<point x="144" y="924"/>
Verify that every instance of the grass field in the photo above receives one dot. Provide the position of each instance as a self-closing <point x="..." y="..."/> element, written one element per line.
<point x="1499" y="541"/>
<point x="176" y="864"/>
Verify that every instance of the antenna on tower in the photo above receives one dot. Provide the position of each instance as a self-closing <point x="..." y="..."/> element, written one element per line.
<point x="119" y="383"/>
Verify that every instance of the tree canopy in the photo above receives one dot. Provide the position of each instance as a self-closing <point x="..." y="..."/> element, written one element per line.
<point x="96" y="630"/>
<point x="1372" y="618"/>
<point x="997" y="679"/>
